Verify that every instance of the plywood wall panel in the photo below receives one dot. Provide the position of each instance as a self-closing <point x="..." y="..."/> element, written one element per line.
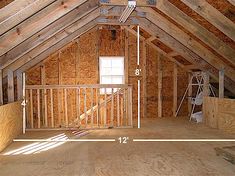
<point x="78" y="63"/>
<point x="10" y="123"/>
<point x="219" y="113"/>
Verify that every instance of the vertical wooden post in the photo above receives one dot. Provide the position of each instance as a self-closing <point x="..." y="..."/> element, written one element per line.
<point x="190" y="91"/>
<point x="98" y="106"/>
<point x="112" y="108"/>
<point x="126" y="56"/>
<point x="59" y="106"/>
<point x="42" y="71"/>
<point x="175" y="94"/>
<point x="31" y="108"/>
<point x="131" y="110"/>
<point x="129" y="107"/>
<point x="105" y="105"/>
<point x="45" y="107"/>
<point x="52" y="109"/>
<point x="122" y="113"/>
<point x="118" y="109"/>
<point x="10" y="81"/>
<point x="66" y="108"/>
<point x="124" y="106"/>
<point x="39" y="109"/>
<point x="19" y="75"/>
<point x="85" y="108"/>
<point x="1" y="88"/>
<point x="159" y="85"/>
<point x="78" y="105"/>
<point x="24" y="102"/>
<point x="92" y="107"/>
<point x="221" y="84"/>
<point x="206" y="88"/>
<point x="144" y="80"/>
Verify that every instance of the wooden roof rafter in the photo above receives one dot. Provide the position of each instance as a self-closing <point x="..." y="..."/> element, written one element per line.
<point x="59" y="36"/>
<point x="47" y="32"/>
<point x="187" y="41"/>
<point x="36" y="23"/>
<point x="184" y="51"/>
<point x="212" y="15"/>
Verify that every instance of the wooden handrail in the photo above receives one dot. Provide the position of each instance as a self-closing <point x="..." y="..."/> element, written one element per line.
<point x="84" y="86"/>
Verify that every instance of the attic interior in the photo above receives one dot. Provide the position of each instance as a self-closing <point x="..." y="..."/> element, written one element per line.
<point x="117" y="87"/>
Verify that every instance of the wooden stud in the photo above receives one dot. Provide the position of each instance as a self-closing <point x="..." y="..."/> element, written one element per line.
<point x="1" y="88"/>
<point x="52" y="109"/>
<point x="31" y="108"/>
<point x="144" y="80"/>
<point x="10" y="88"/>
<point x="66" y="108"/>
<point x="126" y="57"/>
<point x="85" y="108"/>
<point x="175" y="94"/>
<point x="124" y="107"/>
<point x="98" y="106"/>
<point x="118" y="108"/>
<point x="190" y="91"/>
<point x="45" y="107"/>
<point x="206" y="84"/>
<point x="78" y="106"/>
<point x="59" y="105"/>
<point x="39" y="109"/>
<point x="159" y="68"/>
<point x="19" y="85"/>
<point x="130" y="108"/>
<point x="105" y="105"/>
<point x="221" y="84"/>
<point x="92" y="107"/>
<point x="122" y="111"/>
<point x="112" y="109"/>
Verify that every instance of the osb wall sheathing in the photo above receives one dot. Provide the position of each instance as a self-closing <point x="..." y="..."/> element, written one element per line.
<point x="10" y="123"/>
<point x="78" y="63"/>
<point x="3" y="3"/>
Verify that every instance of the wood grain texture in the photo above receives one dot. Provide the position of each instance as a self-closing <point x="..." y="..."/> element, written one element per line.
<point x="220" y="113"/>
<point x="10" y="123"/>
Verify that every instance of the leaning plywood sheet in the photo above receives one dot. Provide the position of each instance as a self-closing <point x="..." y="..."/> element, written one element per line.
<point x="10" y="123"/>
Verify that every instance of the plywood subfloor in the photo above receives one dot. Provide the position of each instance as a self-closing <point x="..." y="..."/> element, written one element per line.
<point x="131" y="159"/>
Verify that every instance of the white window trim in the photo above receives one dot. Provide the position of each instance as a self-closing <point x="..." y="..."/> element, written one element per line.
<point x="100" y="67"/>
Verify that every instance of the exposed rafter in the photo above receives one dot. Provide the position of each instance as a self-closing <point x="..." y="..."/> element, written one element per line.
<point x="47" y="32"/>
<point x="202" y="33"/>
<point x="23" y="14"/>
<point x="212" y="15"/>
<point x="36" y="23"/>
<point x="53" y="40"/>
<point x="187" y="41"/>
<point x="184" y="51"/>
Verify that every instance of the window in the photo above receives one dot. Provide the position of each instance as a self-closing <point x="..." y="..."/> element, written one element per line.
<point x="111" y="71"/>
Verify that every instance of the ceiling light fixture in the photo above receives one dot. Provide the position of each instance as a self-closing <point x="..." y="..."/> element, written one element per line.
<point x="127" y="12"/>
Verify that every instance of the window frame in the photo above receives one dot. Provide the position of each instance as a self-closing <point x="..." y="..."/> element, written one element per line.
<point x="100" y="70"/>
